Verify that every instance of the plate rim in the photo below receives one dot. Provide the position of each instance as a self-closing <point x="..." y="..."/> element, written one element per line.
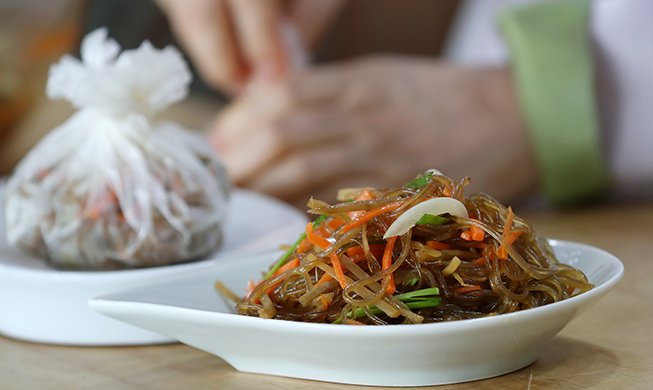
<point x="375" y="331"/>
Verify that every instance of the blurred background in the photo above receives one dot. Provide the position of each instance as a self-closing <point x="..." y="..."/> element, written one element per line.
<point x="35" y="33"/>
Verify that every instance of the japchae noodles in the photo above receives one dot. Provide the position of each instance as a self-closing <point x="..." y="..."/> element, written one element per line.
<point x="422" y="253"/>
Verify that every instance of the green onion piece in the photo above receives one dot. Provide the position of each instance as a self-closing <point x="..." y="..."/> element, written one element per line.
<point x="289" y="251"/>
<point x="414" y="300"/>
<point x="422" y="304"/>
<point x="420" y="181"/>
<point x="411" y="305"/>
<point x="413" y="281"/>
<point x="428" y="219"/>
<point x="418" y="293"/>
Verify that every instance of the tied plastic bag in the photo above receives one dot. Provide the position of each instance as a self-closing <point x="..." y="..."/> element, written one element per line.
<point x="110" y="189"/>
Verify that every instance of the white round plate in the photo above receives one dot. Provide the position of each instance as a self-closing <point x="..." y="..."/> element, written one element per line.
<point x="42" y="304"/>
<point x="190" y="310"/>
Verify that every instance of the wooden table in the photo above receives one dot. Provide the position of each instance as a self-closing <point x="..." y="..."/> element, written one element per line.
<point x="608" y="347"/>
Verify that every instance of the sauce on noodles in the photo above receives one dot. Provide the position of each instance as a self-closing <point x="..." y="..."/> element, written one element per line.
<point x="446" y="267"/>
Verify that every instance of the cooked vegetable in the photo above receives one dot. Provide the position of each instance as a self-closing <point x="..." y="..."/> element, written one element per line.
<point x="422" y="253"/>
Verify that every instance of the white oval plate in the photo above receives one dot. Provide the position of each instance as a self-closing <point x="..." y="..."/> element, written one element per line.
<point x="42" y="304"/>
<point x="190" y="310"/>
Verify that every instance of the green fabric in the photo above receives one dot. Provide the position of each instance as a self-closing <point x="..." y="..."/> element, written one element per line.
<point x="553" y="69"/>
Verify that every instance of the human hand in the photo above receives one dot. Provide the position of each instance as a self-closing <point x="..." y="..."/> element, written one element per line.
<point x="377" y="122"/>
<point x="232" y="42"/>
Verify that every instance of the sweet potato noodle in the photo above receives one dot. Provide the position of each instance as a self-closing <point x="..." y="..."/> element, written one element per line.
<point x="444" y="268"/>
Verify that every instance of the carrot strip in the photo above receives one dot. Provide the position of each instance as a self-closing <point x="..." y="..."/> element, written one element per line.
<point x="438" y="245"/>
<point x="509" y="219"/>
<point x="502" y="252"/>
<point x="315" y="239"/>
<point x="369" y="215"/>
<point x="480" y="260"/>
<point x="465" y="289"/>
<point x="325" y="278"/>
<point x="324" y="244"/>
<point x="334" y="224"/>
<point x="474" y="233"/>
<point x="338" y="269"/>
<point x="250" y="287"/>
<point x="304" y="245"/>
<point x="365" y="195"/>
<point x="289" y="265"/>
<point x="358" y="250"/>
<point x="387" y="263"/>
<point x="446" y="191"/>
<point x="477" y="233"/>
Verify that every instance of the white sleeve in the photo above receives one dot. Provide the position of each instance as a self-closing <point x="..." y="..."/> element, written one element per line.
<point x="621" y="32"/>
<point x="475" y="39"/>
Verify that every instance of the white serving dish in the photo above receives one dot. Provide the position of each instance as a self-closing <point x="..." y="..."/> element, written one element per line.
<point x="190" y="310"/>
<point x="42" y="304"/>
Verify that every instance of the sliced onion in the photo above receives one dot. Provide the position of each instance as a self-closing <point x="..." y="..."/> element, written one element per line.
<point x="435" y="206"/>
<point x="452" y="267"/>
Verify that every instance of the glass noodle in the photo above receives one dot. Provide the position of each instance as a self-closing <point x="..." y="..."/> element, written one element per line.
<point x="446" y="267"/>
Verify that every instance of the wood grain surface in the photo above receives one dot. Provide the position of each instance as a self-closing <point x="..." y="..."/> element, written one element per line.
<point x="608" y="347"/>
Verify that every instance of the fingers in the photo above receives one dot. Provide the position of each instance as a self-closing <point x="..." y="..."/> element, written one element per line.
<point x="313" y="17"/>
<point x="205" y="30"/>
<point x="252" y="151"/>
<point x="318" y="85"/>
<point x="303" y="170"/>
<point x="258" y="27"/>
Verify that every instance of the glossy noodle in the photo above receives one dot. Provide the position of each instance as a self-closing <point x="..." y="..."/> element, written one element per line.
<point x="440" y="268"/>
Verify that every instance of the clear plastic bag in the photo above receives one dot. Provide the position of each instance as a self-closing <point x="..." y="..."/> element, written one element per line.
<point x="109" y="188"/>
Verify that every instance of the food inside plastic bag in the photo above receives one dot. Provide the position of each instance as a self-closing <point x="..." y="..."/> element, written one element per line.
<point x="110" y="188"/>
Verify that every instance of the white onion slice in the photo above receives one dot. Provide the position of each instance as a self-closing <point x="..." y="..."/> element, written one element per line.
<point x="435" y="206"/>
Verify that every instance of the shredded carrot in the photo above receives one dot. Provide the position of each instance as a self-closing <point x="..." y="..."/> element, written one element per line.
<point x="463" y="290"/>
<point x="289" y="265"/>
<point x="446" y="191"/>
<point x="387" y="263"/>
<point x="304" y="245"/>
<point x="250" y="287"/>
<point x="323" y="231"/>
<point x="334" y="224"/>
<point x="477" y="233"/>
<point x="480" y="260"/>
<point x="357" y="251"/>
<point x="510" y="238"/>
<point x="369" y="215"/>
<point x="325" y="278"/>
<point x="473" y="234"/>
<point x="315" y="239"/>
<point x="365" y="195"/>
<point x="509" y="219"/>
<point x="438" y="245"/>
<point x="338" y="269"/>
<point x="325" y="244"/>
